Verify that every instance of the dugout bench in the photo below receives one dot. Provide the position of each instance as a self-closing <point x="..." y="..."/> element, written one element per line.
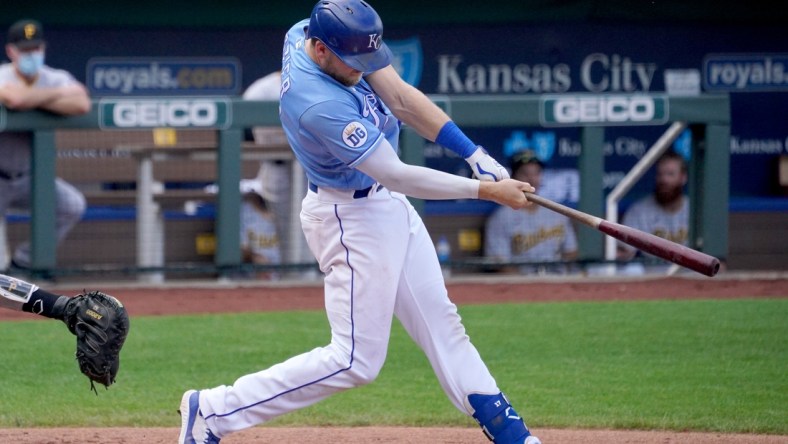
<point x="153" y="172"/>
<point x="709" y="113"/>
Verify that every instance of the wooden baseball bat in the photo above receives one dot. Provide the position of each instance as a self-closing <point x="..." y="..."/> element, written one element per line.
<point x="670" y="251"/>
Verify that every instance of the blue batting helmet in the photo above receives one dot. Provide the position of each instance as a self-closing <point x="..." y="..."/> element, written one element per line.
<point x="353" y="31"/>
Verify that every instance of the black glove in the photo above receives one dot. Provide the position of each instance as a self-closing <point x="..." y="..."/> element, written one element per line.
<point x="101" y="325"/>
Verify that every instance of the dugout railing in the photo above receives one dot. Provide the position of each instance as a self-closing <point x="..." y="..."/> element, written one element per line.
<point x="707" y="115"/>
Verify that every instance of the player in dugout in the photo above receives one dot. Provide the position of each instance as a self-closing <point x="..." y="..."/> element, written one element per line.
<point x="342" y="104"/>
<point x="28" y="83"/>
<point x="539" y="239"/>
<point x="664" y="212"/>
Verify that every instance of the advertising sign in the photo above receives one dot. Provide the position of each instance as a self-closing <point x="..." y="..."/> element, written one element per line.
<point x="574" y="58"/>
<point x="615" y="110"/>
<point x="745" y="72"/>
<point x="152" y="113"/>
<point x="163" y="77"/>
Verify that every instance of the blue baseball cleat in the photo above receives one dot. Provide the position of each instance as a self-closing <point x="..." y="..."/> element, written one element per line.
<point x="499" y="421"/>
<point x="194" y="429"/>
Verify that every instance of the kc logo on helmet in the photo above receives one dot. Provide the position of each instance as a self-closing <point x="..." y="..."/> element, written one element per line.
<point x="374" y="41"/>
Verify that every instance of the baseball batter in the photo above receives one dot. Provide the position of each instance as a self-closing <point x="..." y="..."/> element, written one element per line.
<point x="341" y="107"/>
<point x="27" y="83"/>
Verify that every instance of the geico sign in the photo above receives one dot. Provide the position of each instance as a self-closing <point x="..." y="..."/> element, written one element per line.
<point x="164" y="113"/>
<point x="612" y="110"/>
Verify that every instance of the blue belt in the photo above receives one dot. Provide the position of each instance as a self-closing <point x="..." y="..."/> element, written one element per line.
<point x="357" y="194"/>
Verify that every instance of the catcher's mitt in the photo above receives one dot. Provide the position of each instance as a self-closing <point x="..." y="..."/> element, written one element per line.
<point x="101" y="324"/>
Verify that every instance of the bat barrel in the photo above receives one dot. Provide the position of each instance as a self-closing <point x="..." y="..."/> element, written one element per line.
<point x="663" y="248"/>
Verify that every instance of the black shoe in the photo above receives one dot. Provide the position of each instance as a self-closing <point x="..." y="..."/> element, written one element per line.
<point x="17" y="268"/>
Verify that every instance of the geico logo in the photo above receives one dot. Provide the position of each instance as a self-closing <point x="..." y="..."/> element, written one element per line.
<point x="604" y="109"/>
<point x="205" y="78"/>
<point x="176" y="113"/>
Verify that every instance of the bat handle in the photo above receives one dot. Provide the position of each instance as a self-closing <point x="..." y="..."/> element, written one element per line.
<point x="591" y="221"/>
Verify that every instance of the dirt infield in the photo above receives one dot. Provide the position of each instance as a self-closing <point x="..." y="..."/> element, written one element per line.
<point x="368" y="435"/>
<point x="151" y="300"/>
<point x="231" y="297"/>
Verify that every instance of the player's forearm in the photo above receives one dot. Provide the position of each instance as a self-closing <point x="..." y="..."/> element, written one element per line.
<point x="407" y="103"/>
<point x="66" y="100"/>
<point x="71" y="106"/>
<point x="414" y="108"/>
<point x="423" y="183"/>
<point x="421" y="114"/>
<point x="14" y="293"/>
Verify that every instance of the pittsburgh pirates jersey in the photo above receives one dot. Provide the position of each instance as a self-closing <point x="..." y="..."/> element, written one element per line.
<point x="529" y="235"/>
<point x="331" y="128"/>
<point x="646" y="215"/>
<point x="15" y="146"/>
<point x="258" y="233"/>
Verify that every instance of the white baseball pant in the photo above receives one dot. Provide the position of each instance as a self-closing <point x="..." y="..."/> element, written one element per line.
<point x="378" y="261"/>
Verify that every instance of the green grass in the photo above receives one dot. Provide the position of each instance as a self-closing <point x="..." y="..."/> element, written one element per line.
<point x="680" y="365"/>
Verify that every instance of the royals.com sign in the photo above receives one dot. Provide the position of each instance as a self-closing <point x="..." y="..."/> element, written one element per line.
<point x="745" y="72"/>
<point x="109" y="76"/>
<point x="153" y="113"/>
<point x="576" y="110"/>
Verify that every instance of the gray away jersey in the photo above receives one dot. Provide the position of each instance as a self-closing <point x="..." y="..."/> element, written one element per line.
<point x="15" y="146"/>
<point x="646" y="215"/>
<point x="522" y="235"/>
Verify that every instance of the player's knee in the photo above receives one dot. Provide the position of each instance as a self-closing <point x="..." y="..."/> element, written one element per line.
<point x="80" y="205"/>
<point x="74" y="207"/>
<point x="367" y="367"/>
<point x="498" y="419"/>
<point x="364" y="373"/>
<point x="360" y="377"/>
<point x="359" y="369"/>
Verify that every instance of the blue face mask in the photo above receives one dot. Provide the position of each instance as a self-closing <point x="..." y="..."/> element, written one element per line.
<point x="30" y="62"/>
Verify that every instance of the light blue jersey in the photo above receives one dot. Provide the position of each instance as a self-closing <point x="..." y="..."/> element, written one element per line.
<point x="330" y="127"/>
